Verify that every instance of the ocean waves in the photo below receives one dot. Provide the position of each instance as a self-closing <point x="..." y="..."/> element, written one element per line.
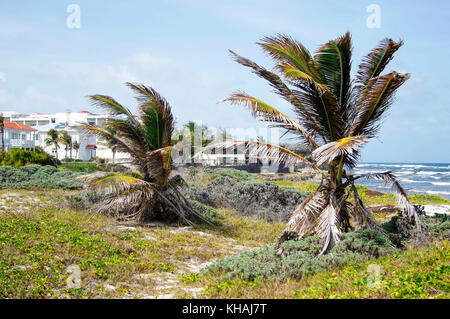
<point x="416" y="178"/>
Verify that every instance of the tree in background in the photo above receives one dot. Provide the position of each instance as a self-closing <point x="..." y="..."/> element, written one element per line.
<point x="53" y="140"/>
<point x="66" y="140"/>
<point x="2" y="131"/>
<point x="76" y="147"/>
<point x="148" y="143"/>
<point x="111" y="143"/>
<point x="335" y="116"/>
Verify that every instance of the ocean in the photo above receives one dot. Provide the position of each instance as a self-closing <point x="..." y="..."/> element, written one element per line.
<point x="415" y="178"/>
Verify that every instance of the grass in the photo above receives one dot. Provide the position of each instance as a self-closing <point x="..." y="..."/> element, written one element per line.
<point x="415" y="273"/>
<point x="81" y="167"/>
<point x="40" y="241"/>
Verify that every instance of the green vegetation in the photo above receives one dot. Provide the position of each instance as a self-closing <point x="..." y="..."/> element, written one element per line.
<point x="81" y="167"/>
<point x="40" y="241"/>
<point x="18" y="157"/>
<point x="414" y="273"/>
<point x="36" y="176"/>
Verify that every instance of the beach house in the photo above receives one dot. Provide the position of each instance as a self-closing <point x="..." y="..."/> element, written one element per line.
<point x="17" y="135"/>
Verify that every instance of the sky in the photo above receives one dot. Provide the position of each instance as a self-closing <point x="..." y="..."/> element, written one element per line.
<point x="180" y="48"/>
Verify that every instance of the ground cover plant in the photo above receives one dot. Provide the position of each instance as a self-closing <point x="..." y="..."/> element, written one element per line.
<point x="37" y="176"/>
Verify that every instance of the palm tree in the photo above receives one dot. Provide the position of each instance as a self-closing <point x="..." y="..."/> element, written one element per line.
<point x="110" y="143"/>
<point x="2" y="129"/>
<point x="148" y="143"/>
<point x="66" y="140"/>
<point x="76" y="147"/>
<point x="335" y="116"/>
<point x="53" y="139"/>
<point x="192" y="129"/>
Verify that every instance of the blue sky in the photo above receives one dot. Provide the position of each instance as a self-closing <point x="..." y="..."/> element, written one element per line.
<point x="180" y="49"/>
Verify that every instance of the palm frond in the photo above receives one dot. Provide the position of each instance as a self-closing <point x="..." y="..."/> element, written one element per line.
<point x="374" y="101"/>
<point x="334" y="61"/>
<point x="293" y="59"/>
<point x="156" y="115"/>
<point x="375" y="62"/>
<point x="262" y="150"/>
<point x="265" y="112"/>
<point x="345" y="146"/>
<point x="303" y="218"/>
<point x="328" y="223"/>
<point x="111" y="105"/>
<point x="283" y="90"/>
<point x="403" y="201"/>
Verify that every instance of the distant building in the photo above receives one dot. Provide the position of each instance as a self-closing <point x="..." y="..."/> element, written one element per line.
<point x="41" y="123"/>
<point x="17" y="135"/>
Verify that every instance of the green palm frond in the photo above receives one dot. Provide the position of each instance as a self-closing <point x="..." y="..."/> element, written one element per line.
<point x="286" y="93"/>
<point x="156" y="116"/>
<point x="375" y="62"/>
<point x="373" y="102"/>
<point x="292" y="57"/>
<point x="334" y="61"/>
<point x="265" y="112"/>
<point x="110" y="105"/>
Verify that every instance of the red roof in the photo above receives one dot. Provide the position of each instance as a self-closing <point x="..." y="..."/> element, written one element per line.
<point x="85" y="112"/>
<point x="91" y="146"/>
<point x="18" y="126"/>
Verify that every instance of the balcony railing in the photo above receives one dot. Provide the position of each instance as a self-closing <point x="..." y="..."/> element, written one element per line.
<point x="20" y="143"/>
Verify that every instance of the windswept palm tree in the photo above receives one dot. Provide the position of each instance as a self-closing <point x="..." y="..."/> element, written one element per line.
<point x="148" y="143"/>
<point x="66" y="140"/>
<point x="76" y="147"/>
<point x="53" y="139"/>
<point x="335" y="116"/>
<point x="111" y="144"/>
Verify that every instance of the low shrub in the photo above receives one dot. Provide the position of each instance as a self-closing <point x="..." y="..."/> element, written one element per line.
<point x="250" y="197"/>
<point x="207" y="212"/>
<point x="236" y="174"/>
<point x="81" y="167"/>
<point x="19" y="157"/>
<point x="48" y="177"/>
<point x="300" y="257"/>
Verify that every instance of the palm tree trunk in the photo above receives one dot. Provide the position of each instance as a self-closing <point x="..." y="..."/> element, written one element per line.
<point x="3" y="139"/>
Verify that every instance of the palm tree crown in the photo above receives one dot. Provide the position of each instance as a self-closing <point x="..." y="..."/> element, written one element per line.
<point x="147" y="141"/>
<point x="335" y="116"/>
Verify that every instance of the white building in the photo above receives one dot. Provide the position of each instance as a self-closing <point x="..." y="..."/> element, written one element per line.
<point x="17" y="135"/>
<point x="42" y="123"/>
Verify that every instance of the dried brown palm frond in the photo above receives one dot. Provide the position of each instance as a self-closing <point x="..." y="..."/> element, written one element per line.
<point x="345" y="146"/>
<point x="361" y="215"/>
<point x="403" y="201"/>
